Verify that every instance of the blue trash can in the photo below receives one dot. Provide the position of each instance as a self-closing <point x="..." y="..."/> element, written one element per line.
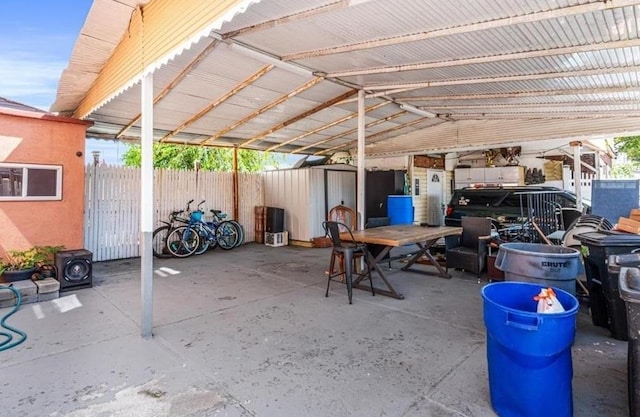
<point x="528" y="353"/>
<point x="400" y="209"/>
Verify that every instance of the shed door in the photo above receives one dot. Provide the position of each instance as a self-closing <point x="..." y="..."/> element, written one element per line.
<point x="435" y="196"/>
<point x="340" y="188"/>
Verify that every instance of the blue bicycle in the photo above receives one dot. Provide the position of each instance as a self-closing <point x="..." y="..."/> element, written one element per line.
<point x="224" y="234"/>
<point x="183" y="241"/>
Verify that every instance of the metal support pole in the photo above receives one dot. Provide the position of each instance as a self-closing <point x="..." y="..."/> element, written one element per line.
<point x="577" y="172"/>
<point x="361" y="164"/>
<point x="235" y="183"/>
<point x="146" y="207"/>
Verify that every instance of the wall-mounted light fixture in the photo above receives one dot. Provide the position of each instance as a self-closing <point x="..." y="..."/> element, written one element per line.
<point x="419" y="112"/>
<point x="96" y="157"/>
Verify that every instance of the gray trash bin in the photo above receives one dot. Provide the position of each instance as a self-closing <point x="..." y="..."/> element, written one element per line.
<point x="548" y="265"/>
<point x="629" y="281"/>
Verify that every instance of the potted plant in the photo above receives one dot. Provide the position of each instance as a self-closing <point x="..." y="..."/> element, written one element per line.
<point x="22" y="264"/>
<point x="46" y="266"/>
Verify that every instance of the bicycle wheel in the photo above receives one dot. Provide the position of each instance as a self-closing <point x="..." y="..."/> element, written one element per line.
<point x="227" y="235"/>
<point x="183" y="241"/>
<point x="159" y="245"/>
<point x="205" y="242"/>
<point x="209" y="228"/>
<point x="240" y="232"/>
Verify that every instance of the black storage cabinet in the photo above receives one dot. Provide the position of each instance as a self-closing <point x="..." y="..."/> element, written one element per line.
<point x="607" y="308"/>
<point x="378" y="186"/>
<point x="275" y="220"/>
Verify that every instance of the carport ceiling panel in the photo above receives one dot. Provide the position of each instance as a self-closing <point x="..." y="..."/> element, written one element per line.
<point x="252" y="97"/>
<point x="563" y="64"/>
<point x="258" y="12"/>
<point x="325" y="134"/>
<point x="218" y="61"/>
<point x="182" y="103"/>
<point x="543" y="109"/>
<point x="324" y="92"/>
<point x="372" y="20"/>
<point x="538" y="98"/>
<point x="281" y="81"/>
<point x="103" y="128"/>
<point x="547" y="84"/>
<point x="351" y="106"/>
<point x="167" y="72"/>
<point x="130" y="97"/>
<point x="113" y="118"/>
<point x="206" y="89"/>
<point x="281" y="112"/>
<point x="330" y="115"/>
<point x="491" y="42"/>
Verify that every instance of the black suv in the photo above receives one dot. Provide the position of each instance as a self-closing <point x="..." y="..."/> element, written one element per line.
<point x="506" y="205"/>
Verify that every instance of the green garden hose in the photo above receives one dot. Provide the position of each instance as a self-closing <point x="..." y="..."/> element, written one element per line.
<point x="8" y="343"/>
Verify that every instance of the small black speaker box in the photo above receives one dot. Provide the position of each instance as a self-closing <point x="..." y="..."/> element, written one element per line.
<point x="74" y="269"/>
<point x="275" y="220"/>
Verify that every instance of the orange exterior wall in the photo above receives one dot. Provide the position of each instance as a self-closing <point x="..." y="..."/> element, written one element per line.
<point x="36" y="138"/>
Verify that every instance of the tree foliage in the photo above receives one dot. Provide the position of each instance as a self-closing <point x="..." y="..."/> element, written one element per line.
<point x="630" y="145"/>
<point x="626" y="170"/>
<point x="211" y="159"/>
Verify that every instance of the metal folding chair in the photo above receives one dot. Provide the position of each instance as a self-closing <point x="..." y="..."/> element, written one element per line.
<point x="346" y="253"/>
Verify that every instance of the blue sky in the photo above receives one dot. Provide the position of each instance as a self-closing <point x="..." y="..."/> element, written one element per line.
<point x="36" y="41"/>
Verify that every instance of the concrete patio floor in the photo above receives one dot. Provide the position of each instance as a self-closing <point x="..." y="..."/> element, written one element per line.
<point x="249" y="332"/>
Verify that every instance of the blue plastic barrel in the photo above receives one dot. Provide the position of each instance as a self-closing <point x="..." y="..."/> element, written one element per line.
<point x="528" y="354"/>
<point x="400" y="209"/>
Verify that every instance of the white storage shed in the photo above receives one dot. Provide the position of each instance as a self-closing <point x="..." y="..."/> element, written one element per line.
<point x="307" y="194"/>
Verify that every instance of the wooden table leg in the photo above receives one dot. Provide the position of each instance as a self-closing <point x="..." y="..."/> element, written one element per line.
<point x="424" y="250"/>
<point x="375" y="264"/>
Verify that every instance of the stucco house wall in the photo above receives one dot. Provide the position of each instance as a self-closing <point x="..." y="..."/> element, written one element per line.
<point x="33" y="137"/>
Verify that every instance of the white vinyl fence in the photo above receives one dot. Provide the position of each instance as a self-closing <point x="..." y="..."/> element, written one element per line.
<point x="585" y="181"/>
<point x="112" y="203"/>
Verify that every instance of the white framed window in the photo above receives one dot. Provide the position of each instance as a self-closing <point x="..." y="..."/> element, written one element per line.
<point x="22" y="182"/>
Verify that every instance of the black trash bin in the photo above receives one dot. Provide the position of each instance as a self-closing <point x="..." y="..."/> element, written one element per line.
<point x="597" y="247"/>
<point x="629" y="282"/>
<point x="615" y="306"/>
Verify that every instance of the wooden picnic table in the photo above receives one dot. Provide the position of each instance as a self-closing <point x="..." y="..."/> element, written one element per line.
<point x="400" y="235"/>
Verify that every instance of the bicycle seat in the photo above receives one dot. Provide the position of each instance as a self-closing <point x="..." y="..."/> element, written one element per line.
<point x="218" y="214"/>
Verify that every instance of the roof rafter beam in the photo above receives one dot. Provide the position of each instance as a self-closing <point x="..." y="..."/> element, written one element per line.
<point x="474" y="27"/>
<point x="305" y="14"/>
<point x="375" y="135"/>
<point x="490" y="58"/>
<point x="181" y="76"/>
<point x="327" y="126"/>
<point x="526" y="105"/>
<point x="349" y="132"/>
<point x="264" y="109"/>
<point x="239" y="87"/>
<point x="484" y="96"/>
<point x="547" y="116"/>
<point x="507" y="78"/>
<point x="300" y="116"/>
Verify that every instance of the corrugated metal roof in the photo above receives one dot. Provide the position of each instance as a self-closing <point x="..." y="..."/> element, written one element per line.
<point x="14" y="105"/>
<point x="253" y="82"/>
